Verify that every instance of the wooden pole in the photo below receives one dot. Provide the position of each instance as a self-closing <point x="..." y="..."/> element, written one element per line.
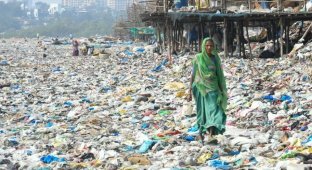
<point x="274" y="34"/>
<point x="180" y="37"/>
<point x="287" y="37"/>
<point x="281" y="37"/>
<point x="225" y="38"/>
<point x="241" y="26"/>
<point x="198" y="37"/>
<point x="305" y="6"/>
<point x="250" y="52"/>
<point x="232" y="25"/>
<point x="170" y="44"/>
<point x="173" y="38"/>
<point x="249" y="4"/>
<point x="238" y="42"/>
<point x="224" y="6"/>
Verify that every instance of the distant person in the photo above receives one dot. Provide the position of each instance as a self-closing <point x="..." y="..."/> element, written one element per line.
<point x="75" y="48"/>
<point x="193" y="37"/>
<point x="38" y="36"/>
<point x="71" y="36"/>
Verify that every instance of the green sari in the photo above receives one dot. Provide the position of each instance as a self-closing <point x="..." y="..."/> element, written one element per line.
<point x="209" y="90"/>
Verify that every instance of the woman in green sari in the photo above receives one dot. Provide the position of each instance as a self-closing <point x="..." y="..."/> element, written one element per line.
<point x="209" y="90"/>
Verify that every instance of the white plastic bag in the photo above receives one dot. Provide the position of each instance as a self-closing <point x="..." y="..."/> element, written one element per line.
<point x="187" y="108"/>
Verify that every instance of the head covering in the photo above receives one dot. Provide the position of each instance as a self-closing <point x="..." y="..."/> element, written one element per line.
<point x="209" y="74"/>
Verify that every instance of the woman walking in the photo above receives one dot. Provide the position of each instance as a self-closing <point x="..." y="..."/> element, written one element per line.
<point x="209" y="90"/>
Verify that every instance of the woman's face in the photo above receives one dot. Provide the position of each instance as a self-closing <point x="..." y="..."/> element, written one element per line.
<point x="209" y="47"/>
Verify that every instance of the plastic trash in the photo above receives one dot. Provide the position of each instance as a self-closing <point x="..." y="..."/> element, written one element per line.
<point x="219" y="164"/>
<point x="145" y="125"/>
<point x="164" y="112"/>
<point x="146" y="146"/>
<point x="50" y="158"/>
<point x="4" y="63"/>
<point x="189" y="138"/>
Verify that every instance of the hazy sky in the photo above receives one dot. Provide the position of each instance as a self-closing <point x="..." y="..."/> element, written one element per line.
<point x="46" y="1"/>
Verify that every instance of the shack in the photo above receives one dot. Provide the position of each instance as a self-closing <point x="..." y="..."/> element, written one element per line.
<point x="184" y="23"/>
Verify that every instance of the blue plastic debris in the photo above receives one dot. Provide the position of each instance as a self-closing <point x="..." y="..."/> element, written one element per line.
<point x="115" y="133"/>
<point x="68" y="104"/>
<point x="304" y="128"/>
<point x="286" y="98"/>
<point x="34" y="121"/>
<point x="28" y="152"/>
<point x="309" y="139"/>
<point x="232" y="153"/>
<point x="189" y="138"/>
<point x="214" y="156"/>
<point x="56" y="69"/>
<point x="218" y="164"/>
<point x="140" y="50"/>
<point x="269" y="98"/>
<point x="128" y="148"/>
<point x="145" y="125"/>
<point x="91" y="108"/>
<point x="253" y="161"/>
<point x="85" y="99"/>
<point x="146" y="146"/>
<point x="193" y="129"/>
<point x="71" y="128"/>
<point x="15" y="87"/>
<point x="124" y="60"/>
<point x="13" y="141"/>
<point x="50" y="158"/>
<point x="4" y="63"/>
<point x="105" y="89"/>
<point x="128" y="53"/>
<point x="49" y="124"/>
<point x="159" y="67"/>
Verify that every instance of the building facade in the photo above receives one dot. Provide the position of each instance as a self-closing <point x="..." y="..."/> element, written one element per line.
<point x="78" y="3"/>
<point x="119" y="5"/>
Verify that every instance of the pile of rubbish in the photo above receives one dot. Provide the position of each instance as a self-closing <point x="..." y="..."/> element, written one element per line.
<point x="128" y="110"/>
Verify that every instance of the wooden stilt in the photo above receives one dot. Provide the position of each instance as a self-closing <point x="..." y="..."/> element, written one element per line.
<point x="241" y="26"/>
<point x="274" y="35"/>
<point x="287" y="37"/>
<point x="250" y="52"/>
<point x="170" y="44"/>
<point x="238" y="42"/>
<point x="281" y="36"/>
<point x="225" y="38"/>
<point x="232" y="38"/>
<point x="198" y="39"/>
<point x="165" y="38"/>
<point x="181" y="37"/>
<point x="173" y="38"/>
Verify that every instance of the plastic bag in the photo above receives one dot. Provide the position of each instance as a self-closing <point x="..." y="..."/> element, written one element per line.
<point x="187" y="108"/>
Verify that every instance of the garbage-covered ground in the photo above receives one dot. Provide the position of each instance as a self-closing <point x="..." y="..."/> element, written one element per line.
<point x="124" y="108"/>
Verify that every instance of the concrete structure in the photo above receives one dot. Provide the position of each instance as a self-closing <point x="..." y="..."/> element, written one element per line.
<point x="54" y="8"/>
<point x="118" y="5"/>
<point x="78" y="3"/>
